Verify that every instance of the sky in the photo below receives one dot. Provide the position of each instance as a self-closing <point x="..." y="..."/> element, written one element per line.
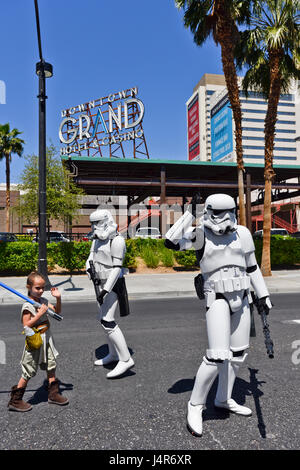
<point x="96" y="48"/>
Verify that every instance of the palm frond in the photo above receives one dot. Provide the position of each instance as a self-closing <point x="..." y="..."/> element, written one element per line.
<point x="198" y="18"/>
<point x="10" y="143"/>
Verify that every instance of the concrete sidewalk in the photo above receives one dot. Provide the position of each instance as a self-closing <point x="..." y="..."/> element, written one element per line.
<point x="78" y="288"/>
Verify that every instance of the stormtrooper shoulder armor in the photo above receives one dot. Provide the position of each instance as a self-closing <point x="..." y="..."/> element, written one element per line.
<point x="118" y="249"/>
<point x="246" y="239"/>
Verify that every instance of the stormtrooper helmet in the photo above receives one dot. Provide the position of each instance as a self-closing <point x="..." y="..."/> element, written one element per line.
<point x="103" y="224"/>
<point x="219" y="214"/>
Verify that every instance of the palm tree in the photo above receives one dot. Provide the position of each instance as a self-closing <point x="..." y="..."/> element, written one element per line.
<point x="271" y="47"/>
<point x="220" y="18"/>
<point x="10" y="144"/>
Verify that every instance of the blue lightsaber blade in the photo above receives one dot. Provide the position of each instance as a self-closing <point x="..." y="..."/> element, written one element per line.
<point x="32" y="302"/>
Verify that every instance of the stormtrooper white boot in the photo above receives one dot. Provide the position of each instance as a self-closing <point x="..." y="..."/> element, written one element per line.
<point x="125" y="360"/>
<point x="194" y="419"/>
<point x="227" y="374"/>
<point x="112" y="355"/>
<point x="206" y="374"/>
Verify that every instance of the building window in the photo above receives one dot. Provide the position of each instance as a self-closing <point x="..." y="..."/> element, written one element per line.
<point x="261" y="157"/>
<point x="257" y="129"/>
<point x="263" y="111"/>
<point x="257" y="147"/>
<point x="265" y="103"/>
<point x="257" y="94"/>
<point x="277" y="139"/>
<point x="262" y="120"/>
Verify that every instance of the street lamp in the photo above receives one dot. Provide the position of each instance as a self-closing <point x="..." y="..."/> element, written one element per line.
<point x="44" y="67"/>
<point x="43" y="70"/>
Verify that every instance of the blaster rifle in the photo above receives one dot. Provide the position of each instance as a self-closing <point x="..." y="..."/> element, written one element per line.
<point x="263" y="312"/>
<point x="95" y="279"/>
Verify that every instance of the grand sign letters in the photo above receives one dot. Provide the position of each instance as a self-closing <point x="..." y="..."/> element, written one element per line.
<point x="107" y="121"/>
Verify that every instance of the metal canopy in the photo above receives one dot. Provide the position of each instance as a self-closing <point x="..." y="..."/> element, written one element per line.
<point x="171" y="178"/>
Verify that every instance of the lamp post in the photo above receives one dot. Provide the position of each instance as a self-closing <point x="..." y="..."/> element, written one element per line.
<point x="43" y="70"/>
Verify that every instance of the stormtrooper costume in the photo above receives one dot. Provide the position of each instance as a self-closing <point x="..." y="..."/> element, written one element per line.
<point x="226" y="254"/>
<point x="107" y="253"/>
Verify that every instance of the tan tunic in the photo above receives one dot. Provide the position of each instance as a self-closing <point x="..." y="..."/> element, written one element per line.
<point x="46" y="337"/>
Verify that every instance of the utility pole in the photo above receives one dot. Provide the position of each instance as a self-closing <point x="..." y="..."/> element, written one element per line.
<point x="43" y="70"/>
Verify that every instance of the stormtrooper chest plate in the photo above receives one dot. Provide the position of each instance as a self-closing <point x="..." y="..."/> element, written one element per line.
<point x="102" y="254"/>
<point x="221" y="251"/>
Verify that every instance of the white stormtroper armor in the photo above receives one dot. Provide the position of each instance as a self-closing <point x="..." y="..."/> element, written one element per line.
<point x="229" y="268"/>
<point x="107" y="253"/>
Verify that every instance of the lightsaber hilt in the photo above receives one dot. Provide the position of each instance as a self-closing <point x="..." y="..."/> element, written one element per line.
<point x="49" y="312"/>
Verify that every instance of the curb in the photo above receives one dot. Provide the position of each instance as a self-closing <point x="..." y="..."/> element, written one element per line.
<point x="146" y="295"/>
<point x="156" y="295"/>
<point x="91" y="297"/>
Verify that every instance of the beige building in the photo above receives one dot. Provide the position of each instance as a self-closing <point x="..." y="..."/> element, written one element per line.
<point x="211" y="128"/>
<point x="198" y="116"/>
<point x="118" y="205"/>
<point x="14" y="220"/>
<point x="80" y="224"/>
<point x="210" y="136"/>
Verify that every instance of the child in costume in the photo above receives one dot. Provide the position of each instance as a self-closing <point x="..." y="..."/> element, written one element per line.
<point x="39" y="347"/>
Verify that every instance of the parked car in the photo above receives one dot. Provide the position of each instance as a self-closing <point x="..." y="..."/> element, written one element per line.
<point x="148" y="232"/>
<point x="295" y="234"/>
<point x="7" y="237"/>
<point x="55" y="237"/>
<point x="274" y="231"/>
<point x="87" y="237"/>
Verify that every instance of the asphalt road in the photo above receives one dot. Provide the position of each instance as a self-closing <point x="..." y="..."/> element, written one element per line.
<point x="146" y="409"/>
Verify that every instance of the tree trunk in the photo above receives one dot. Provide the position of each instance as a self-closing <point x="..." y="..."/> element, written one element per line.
<point x="269" y="174"/>
<point x="225" y="35"/>
<point x="242" y="210"/>
<point x="7" y="162"/>
<point x="266" y="252"/>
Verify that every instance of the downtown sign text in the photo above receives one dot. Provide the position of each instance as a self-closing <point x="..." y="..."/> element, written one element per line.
<point x="111" y="120"/>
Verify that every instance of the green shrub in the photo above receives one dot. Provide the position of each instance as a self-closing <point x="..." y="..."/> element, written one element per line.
<point x="21" y="257"/>
<point x="284" y="251"/>
<point x="141" y="244"/>
<point x="129" y="261"/>
<point x="71" y="256"/>
<point x="258" y="250"/>
<point x="150" y="257"/>
<point x="167" y="258"/>
<point x="130" y="255"/>
<point x="186" y="258"/>
<point x="131" y="245"/>
<point x="18" y="257"/>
